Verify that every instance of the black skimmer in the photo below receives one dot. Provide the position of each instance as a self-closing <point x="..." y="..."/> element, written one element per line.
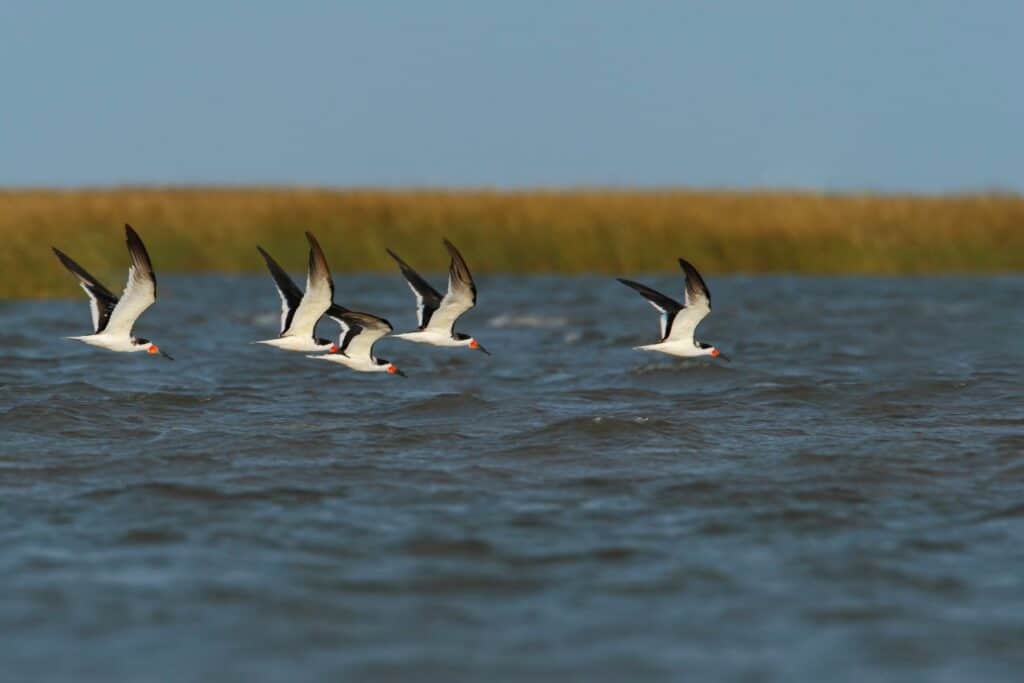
<point x="359" y="332"/>
<point x="437" y="314"/>
<point x="301" y="312"/>
<point x="113" y="318"/>
<point x="680" y="320"/>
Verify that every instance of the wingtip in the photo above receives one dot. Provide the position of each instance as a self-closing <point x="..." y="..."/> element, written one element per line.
<point x="132" y="238"/>
<point x="452" y="249"/>
<point x="398" y="259"/>
<point x="337" y="310"/>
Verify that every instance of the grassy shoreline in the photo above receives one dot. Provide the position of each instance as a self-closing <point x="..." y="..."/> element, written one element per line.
<point x="612" y="231"/>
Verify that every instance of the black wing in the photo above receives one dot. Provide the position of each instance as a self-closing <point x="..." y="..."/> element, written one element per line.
<point x="695" y="287"/>
<point x="668" y="306"/>
<point x="101" y="299"/>
<point x="336" y="311"/>
<point x="290" y="293"/>
<point x="139" y="255"/>
<point x="459" y="276"/>
<point x="427" y="298"/>
<point x="362" y="330"/>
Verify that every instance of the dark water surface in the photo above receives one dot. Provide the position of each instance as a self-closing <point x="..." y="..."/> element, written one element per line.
<point x="845" y="501"/>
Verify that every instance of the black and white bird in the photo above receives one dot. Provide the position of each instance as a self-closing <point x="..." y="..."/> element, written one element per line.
<point x="300" y="311"/>
<point x="679" y="320"/>
<point x="437" y="314"/>
<point x="359" y="332"/>
<point x="113" y="318"/>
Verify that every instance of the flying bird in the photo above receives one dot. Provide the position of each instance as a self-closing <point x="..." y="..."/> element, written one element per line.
<point x="113" y="318"/>
<point x="437" y="314"/>
<point x="300" y="311"/>
<point x="680" y="320"/>
<point x="359" y="332"/>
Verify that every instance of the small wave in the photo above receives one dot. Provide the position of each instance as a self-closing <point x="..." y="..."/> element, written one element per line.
<point x="149" y="536"/>
<point x="528" y="321"/>
<point x="572" y="429"/>
<point x="660" y="367"/>
<point x="181" y="491"/>
<point x="264" y="319"/>
<point x="441" y="547"/>
<point x="1009" y="512"/>
<point x="445" y="403"/>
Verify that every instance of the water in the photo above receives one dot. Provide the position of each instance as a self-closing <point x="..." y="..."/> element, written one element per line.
<point x="844" y="501"/>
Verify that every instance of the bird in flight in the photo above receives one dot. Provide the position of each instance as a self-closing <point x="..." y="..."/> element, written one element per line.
<point x="437" y="314"/>
<point x="113" y="317"/>
<point x="679" y="320"/>
<point x="300" y="311"/>
<point x="359" y="332"/>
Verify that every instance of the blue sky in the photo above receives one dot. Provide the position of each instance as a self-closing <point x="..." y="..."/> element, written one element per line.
<point x="921" y="96"/>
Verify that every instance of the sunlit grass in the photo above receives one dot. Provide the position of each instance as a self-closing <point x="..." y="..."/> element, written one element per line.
<point x="190" y="230"/>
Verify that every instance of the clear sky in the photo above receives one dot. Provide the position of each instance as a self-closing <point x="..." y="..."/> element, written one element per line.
<point x="923" y="96"/>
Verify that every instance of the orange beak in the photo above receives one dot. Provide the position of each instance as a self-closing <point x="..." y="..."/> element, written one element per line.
<point x="393" y="370"/>
<point x="475" y="345"/>
<point x="154" y="349"/>
<point x="715" y="353"/>
<point x="333" y="349"/>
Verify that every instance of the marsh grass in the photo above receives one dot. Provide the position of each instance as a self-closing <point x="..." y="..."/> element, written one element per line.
<point x="190" y="230"/>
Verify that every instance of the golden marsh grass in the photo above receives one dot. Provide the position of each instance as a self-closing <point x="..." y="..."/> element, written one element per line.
<point x="609" y="231"/>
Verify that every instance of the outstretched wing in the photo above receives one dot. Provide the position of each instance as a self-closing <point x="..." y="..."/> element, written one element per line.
<point x="318" y="296"/>
<point x="140" y="291"/>
<point x="461" y="294"/>
<point x="667" y="306"/>
<point x="101" y="300"/>
<point x="335" y="312"/>
<point x="697" y="303"/>
<point x="361" y="332"/>
<point x="289" y="292"/>
<point x="428" y="299"/>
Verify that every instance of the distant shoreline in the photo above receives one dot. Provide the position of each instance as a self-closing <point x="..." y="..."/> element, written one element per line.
<point x="196" y="229"/>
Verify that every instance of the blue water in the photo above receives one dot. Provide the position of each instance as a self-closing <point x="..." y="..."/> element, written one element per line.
<point x="844" y="501"/>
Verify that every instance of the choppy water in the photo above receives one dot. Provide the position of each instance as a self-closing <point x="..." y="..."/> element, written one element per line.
<point x="844" y="501"/>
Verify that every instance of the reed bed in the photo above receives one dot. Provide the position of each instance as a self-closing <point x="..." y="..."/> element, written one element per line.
<point x="608" y="231"/>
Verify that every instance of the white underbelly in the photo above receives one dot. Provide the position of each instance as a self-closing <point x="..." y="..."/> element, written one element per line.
<point x="301" y="344"/>
<point x="680" y="349"/>
<point x="357" y="364"/>
<point x="110" y="342"/>
<point x="432" y="338"/>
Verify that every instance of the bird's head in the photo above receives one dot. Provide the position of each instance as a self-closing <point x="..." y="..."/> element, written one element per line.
<point x="153" y="350"/>
<point x="712" y="351"/>
<point x="477" y="346"/>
